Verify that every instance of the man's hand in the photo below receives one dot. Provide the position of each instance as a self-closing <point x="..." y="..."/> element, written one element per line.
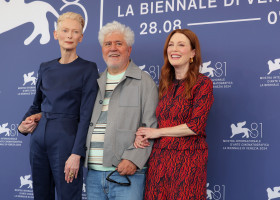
<point x="126" y="167"/>
<point x="30" y="123"/>
<point x="72" y="167"/>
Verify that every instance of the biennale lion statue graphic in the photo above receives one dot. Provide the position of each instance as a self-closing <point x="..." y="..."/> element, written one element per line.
<point x="15" y="13"/>
<point x="4" y="129"/>
<point x="240" y="129"/>
<point x="273" y="194"/>
<point x="209" y="193"/>
<point x="29" y="78"/>
<point x="204" y="68"/>
<point x="273" y="66"/>
<point x="18" y="12"/>
<point x="25" y="181"/>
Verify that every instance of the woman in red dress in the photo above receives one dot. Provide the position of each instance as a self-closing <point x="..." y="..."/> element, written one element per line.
<point x="177" y="167"/>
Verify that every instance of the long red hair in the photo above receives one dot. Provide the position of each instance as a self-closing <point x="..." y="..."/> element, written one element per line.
<point x="167" y="71"/>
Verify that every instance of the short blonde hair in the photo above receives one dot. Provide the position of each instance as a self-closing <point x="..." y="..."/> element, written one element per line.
<point x="71" y="15"/>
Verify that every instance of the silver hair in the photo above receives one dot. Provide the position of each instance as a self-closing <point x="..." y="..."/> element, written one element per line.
<point x="115" y="26"/>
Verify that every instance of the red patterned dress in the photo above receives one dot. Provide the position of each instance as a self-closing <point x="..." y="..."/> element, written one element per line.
<point x="177" y="167"/>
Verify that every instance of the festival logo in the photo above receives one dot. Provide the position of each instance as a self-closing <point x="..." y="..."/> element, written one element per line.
<point x="245" y="136"/>
<point x="207" y="70"/>
<point x="35" y="12"/>
<point x="9" y="135"/>
<point x="272" y="77"/>
<point x="84" y="187"/>
<point x="142" y="67"/>
<point x="84" y="195"/>
<point x="216" y="192"/>
<point x="153" y="70"/>
<point x="273" y="194"/>
<point x="217" y="71"/>
<point x="4" y="129"/>
<point x="25" y="189"/>
<point x="29" y="84"/>
<point x="273" y="66"/>
<point x="239" y="129"/>
<point x="29" y="78"/>
<point x="26" y="181"/>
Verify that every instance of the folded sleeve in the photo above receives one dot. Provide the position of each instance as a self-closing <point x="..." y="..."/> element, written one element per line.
<point x="202" y="102"/>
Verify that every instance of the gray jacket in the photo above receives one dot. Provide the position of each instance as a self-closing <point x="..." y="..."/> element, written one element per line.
<point x="132" y="105"/>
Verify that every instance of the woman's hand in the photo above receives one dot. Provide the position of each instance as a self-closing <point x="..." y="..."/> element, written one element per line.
<point x="35" y="117"/>
<point x="72" y="166"/>
<point x="138" y="143"/>
<point x="148" y="133"/>
<point x="30" y="123"/>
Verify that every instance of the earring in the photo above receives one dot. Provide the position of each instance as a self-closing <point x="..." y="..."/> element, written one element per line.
<point x="191" y="60"/>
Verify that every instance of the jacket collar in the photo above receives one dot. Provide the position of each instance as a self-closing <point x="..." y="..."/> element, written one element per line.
<point x="132" y="71"/>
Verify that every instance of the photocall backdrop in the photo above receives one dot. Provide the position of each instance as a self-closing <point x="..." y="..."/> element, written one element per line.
<point x="241" y="54"/>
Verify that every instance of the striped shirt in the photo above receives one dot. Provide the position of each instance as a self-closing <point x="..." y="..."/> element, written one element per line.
<point x="95" y="160"/>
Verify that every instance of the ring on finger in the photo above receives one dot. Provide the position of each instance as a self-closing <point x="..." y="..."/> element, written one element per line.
<point x="71" y="174"/>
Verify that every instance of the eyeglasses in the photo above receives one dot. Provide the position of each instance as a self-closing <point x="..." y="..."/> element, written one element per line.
<point x="113" y="181"/>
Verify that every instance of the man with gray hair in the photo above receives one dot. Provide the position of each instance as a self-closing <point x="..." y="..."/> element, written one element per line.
<point x="126" y="100"/>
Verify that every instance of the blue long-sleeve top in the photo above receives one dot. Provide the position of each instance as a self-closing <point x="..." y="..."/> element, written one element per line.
<point x="67" y="91"/>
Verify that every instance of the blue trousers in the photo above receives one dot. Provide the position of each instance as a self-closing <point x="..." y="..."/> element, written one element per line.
<point x="99" y="188"/>
<point x="50" y="147"/>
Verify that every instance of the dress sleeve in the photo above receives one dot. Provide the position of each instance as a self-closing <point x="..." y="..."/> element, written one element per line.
<point x="89" y="92"/>
<point x="202" y="102"/>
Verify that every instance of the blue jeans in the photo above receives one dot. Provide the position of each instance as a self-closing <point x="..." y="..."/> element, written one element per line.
<point x="99" y="188"/>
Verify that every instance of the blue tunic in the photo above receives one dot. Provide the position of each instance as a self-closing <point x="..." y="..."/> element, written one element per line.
<point x="65" y="94"/>
<point x="67" y="91"/>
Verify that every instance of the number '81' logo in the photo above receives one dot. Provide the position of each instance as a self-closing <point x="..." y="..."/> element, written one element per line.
<point x="217" y="192"/>
<point x="10" y="131"/>
<point x="217" y="69"/>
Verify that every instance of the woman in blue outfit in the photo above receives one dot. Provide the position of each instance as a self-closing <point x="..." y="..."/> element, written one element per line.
<point x="60" y="115"/>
